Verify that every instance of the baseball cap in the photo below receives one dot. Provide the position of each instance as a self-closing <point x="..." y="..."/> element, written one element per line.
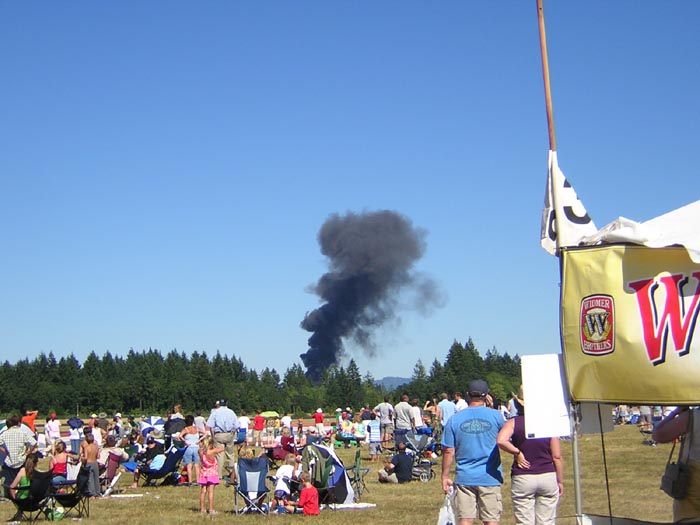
<point x="319" y="411"/>
<point x="478" y="387"/>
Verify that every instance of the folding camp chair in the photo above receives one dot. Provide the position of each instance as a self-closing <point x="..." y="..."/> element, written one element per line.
<point x="30" y="502"/>
<point x="357" y="477"/>
<point x="645" y="429"/>
<point x="165" y="474"/>
<point x="112" y="474"/>
<point x="76" y="500"/>
<point x="251" y="486"/>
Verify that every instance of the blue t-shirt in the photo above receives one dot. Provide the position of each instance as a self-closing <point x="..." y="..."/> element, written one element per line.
<point x="447" y="408"/>
<point x="472" y="433"/>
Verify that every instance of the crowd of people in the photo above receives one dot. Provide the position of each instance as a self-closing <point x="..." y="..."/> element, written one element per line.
<point x="471" y="432"/>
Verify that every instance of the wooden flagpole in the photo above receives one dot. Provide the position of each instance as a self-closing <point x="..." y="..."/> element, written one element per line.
<point x="545" y="76"/>
<point x="575" y="407"/>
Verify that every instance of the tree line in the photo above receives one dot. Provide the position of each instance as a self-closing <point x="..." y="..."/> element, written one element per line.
<point x="147" y="381"/>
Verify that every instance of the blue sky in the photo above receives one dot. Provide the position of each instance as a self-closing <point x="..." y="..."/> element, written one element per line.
<point x="165" y="166"/>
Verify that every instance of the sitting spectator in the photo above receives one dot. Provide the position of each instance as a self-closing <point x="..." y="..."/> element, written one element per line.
<point x="287" y="440"/>
<point x="312" y="436"/>
<point x="174" y="424"/>
<point x="111" y="448"/>
<point x="152" y="458"/>
<point x="359" y="430"/>
<point x="308" y="499"/>
<point x="24" y="477"/>
<point x="399" y="469"/>
<point x="58" y="464"/>
<point x="284" y="478"/>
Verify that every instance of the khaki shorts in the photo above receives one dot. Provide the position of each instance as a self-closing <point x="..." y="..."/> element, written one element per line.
<point x="482" y="503"/>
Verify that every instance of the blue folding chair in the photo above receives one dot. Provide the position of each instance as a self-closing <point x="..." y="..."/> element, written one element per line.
<point x="251" y="486"/>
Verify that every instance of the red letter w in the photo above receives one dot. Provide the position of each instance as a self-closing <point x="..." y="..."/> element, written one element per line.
<point x="672" y="317"/>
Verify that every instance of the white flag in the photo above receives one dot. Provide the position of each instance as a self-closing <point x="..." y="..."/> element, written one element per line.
<point x="564" y="219"/>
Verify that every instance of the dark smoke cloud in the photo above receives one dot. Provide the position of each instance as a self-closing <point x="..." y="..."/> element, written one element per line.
<point x="370" y="257"/>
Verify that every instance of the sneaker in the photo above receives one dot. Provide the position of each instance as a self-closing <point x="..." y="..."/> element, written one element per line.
<point x="212" y="512"/>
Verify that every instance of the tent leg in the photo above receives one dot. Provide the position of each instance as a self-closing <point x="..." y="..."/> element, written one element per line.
<point x="575" y="427"/>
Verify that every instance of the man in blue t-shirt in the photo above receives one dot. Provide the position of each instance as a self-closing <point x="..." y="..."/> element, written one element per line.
<point x="447" y="409"/>
<point x="469" y="439"/>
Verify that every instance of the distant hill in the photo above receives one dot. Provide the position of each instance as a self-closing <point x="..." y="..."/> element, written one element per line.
<point x="391" y="382"/>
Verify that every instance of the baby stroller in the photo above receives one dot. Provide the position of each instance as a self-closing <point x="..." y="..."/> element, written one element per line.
<point x="420" y="446"/>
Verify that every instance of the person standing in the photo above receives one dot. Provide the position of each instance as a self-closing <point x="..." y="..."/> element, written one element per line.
<point x="537" y="475"/>
<point x="417" y="414"/>
<point x="385" y="411"/>
<point x="190" y="434"/>
<point x="375" y="437"/>
<point x="684" y="420"/>
<point x="52" y="431"/>
<point x="200" y="422"/>
<point x="28" y="418"/>
<point x="258" y="427"/>
<point x="447" y="409"/>
<point x="16" y="442"/>
<point x="223" y="425"/>
<point x="403" y="412"/>
<point x="318" y="421"/>
<point x="88" y="455"/>
<point x="208" y="474"/>
<point x="469" y="439"/>
<point x="460" y="403"/>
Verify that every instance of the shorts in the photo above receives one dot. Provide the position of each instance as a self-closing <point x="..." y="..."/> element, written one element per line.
<point x="483" y="503"/>
<point x="386" y="428"/>
<point x="375" y="449"/>
<point x="281" y="495"/>
<point x="191" y="455"/>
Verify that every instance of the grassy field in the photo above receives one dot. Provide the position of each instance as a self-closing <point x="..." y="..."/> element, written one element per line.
<point x="634" y="471"/>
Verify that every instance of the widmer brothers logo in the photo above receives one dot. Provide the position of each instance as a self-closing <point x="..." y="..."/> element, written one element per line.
<point x="597" y="324"/>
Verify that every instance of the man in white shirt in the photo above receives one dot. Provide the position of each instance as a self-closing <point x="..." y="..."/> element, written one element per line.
<point x="243" y="422"/>
<point x="52" y="430"/>
<point x="460" y="403"/>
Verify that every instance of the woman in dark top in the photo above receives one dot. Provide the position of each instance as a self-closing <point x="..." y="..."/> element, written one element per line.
<point x="537" y="474"/>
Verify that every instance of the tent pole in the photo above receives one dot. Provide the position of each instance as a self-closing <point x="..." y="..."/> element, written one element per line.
<point x="575" y="428"/>
<point x="545" y="76"/>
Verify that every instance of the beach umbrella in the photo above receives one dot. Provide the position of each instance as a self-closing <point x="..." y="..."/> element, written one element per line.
<point x="151" y="423"/>
<point x="269" y="413"/>
<point x="75" y="422"/>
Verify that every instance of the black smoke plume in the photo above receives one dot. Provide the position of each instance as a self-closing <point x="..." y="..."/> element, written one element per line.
<point x="370" y="258"/>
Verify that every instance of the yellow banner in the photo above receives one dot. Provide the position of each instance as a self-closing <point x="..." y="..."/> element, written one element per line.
<point x="629" y="324"/>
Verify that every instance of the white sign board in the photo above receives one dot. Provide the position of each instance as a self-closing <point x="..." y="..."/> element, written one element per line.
<point x="546" y="399"/>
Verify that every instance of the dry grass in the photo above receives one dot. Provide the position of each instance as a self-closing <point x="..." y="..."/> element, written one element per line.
<point x="634" y="471"/>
